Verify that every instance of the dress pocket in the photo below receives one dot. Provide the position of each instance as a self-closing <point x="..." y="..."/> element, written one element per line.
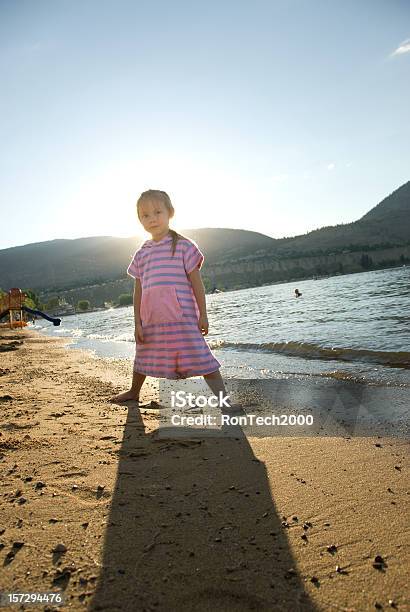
<point x="160" y="305"/>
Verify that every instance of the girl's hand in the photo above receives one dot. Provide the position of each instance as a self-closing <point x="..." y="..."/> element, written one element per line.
<point x="203" y="324"/>
<point x="138" y="334"/>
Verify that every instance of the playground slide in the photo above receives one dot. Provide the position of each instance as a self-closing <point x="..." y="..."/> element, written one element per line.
<point x="53" y="320"/>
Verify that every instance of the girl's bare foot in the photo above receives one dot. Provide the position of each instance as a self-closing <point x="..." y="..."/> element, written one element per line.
<point x="123" y="397"/>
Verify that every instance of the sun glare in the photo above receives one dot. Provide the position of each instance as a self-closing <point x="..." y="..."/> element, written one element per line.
<point x="203" y="194"/>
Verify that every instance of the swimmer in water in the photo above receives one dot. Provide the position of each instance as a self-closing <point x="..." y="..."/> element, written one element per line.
<point x="297" y="293"/>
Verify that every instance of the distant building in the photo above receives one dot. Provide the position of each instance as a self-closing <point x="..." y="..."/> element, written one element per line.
<point x="63" y="308"/>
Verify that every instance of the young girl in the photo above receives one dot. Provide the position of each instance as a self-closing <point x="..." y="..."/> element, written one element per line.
<point x="169" y="303"/>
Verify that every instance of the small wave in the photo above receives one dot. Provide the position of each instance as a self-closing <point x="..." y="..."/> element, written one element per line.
<point x="396" y="359"/>
<point x="124" y="338"/>
<point x="98" y="337"/>
<point x="106" y="338"/>
<point x="77" y="332"/>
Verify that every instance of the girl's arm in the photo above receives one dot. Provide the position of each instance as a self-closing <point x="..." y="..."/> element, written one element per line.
<point x="199" y="292"/>
<point x="137" y="305"/>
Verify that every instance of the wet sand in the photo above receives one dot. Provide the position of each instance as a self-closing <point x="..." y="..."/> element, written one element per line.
<point x="96" y="504"/>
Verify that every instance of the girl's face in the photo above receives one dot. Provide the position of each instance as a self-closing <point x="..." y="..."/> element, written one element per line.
<point x="154" y="217"/>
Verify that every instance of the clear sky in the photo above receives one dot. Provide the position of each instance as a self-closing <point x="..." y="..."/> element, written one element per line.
<point x="278" y="116"/>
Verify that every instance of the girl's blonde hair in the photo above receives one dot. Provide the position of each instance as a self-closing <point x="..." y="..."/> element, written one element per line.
<point x="161" y="196"/>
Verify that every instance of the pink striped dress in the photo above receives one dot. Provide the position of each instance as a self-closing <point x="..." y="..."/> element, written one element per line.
<point x="173" y="345"/>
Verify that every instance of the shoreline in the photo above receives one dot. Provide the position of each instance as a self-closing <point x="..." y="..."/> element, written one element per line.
<point x="170" y="524"/>
<point x="289" y="361"/>
<point x="312" y="277"/>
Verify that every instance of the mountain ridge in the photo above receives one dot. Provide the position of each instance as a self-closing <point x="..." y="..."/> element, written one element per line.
<point x="64" y="263"/>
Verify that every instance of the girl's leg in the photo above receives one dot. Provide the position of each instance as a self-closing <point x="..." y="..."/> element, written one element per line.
<point x="216" y="384"/>
<point x="134" y="392"/>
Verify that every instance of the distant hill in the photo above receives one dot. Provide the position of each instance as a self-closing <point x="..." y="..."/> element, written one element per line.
<point x="394" y="212"/>
<point x="65" y="264"/>
<point x="218" y="243"/>
<point x="387" y="224"/>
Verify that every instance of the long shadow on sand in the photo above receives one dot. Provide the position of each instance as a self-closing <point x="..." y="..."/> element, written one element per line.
<point x="193" y="526"/>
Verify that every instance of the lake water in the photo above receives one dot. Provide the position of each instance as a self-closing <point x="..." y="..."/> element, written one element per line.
<point x="355" y="326"/>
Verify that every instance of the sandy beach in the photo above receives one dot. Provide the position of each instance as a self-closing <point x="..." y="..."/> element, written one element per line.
<point x="96" y="504"/>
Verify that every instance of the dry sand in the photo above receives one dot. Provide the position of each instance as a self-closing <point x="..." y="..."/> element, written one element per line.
<point x="189" y="524"/>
